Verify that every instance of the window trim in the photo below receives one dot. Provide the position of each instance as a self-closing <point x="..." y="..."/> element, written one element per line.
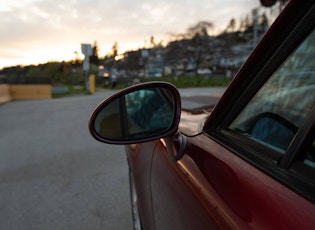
<point x="302" y="139"/>
<point x="290" y="44"/>
<point x="287" y="172"/>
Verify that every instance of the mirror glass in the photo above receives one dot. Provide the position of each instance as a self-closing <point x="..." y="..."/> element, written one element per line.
<point x="140" y="114"/>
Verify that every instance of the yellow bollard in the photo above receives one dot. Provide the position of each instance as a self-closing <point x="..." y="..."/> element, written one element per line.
<point x="92" y="83"/>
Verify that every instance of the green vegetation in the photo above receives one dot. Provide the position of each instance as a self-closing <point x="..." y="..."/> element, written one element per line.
<point x="184" y="81"/>
<point x="72" y="90"/>
<point x="194" y="81"/>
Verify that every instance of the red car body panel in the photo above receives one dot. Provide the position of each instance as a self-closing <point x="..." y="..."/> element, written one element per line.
<point x="211" y="188"/>
<point x="140" y="162"/>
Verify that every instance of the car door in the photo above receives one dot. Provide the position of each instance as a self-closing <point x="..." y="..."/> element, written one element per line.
<point x="252" y="167"/>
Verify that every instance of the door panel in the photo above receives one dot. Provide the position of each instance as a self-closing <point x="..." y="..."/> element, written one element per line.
<point x="176" y="201"/>
<point x="217" y="189"/>
<point x="140" y="157"/>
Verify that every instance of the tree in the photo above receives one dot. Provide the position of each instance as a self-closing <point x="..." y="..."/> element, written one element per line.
<point x="245" y="24"/>
<point x="131" y="61"/>
<point x="263" y="21"/>
<point x="200" y="29"/>
<point x="94" y="58"/>
<point x="53" y="72"/>
<point x="195" y="46"/>
<point x="231" y="26"/>
<point x="115" y="49"/>
<point x="109" y="59"/>
<point x="32" y="75"/>
<point x="153" y="43"/>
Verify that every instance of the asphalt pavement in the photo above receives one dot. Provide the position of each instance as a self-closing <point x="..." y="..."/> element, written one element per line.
<point x="54" y="175"/>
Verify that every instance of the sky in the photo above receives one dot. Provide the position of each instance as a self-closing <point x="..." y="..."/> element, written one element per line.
<point x="39" y="31"/>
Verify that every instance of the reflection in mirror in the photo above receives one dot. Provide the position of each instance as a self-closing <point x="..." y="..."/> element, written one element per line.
<point x="139" y="114"/>
<point x="107" y="122"/>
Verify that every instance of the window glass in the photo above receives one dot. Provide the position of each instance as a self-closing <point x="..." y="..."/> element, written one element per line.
<point x="275" y="113"/>
<point x="310" y="157"/>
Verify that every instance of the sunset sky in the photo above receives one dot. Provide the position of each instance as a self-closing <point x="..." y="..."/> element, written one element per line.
<point x="38" y="31"/>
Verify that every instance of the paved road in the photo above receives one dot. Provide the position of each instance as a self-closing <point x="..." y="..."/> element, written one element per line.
<point x="53" y="175"/>
<point x="196" y="97"/>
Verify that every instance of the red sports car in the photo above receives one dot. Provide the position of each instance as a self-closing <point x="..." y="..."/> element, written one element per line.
<point x="249" y="163"/>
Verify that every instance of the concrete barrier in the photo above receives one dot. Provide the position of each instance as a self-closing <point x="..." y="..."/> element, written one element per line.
<point x="29" y="92"/>
<point x="4" y="93"/>
<point x="24" y="92"/>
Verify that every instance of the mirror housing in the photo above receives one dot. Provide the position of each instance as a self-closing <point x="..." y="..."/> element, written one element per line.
<point x="139" y="113"/>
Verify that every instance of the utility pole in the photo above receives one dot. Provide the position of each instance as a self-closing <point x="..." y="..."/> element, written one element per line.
<point x="86" y="49"/>
<point x="255" y="30"/>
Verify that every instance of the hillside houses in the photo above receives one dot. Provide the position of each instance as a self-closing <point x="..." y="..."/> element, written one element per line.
<point x="221" y="56"/>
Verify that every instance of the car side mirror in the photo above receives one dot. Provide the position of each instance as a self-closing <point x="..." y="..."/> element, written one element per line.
<point x="139" y="113"/>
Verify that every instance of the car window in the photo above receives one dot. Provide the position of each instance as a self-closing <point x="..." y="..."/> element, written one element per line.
<point x="276" y="112"/>
<point x="310" y="156"/>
